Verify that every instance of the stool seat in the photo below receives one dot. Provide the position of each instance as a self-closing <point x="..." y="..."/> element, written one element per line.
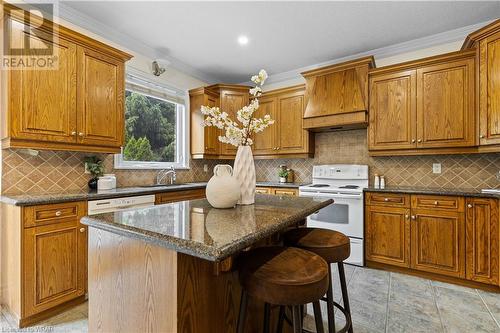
<point x="331" y="245"/>
<point x="283" y="276"/>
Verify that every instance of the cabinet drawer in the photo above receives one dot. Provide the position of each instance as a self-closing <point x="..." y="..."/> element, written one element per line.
<point x="439" y="202"/>
<point x="263" y="190"/>
<point x="53" y="213"/>
<point x="167" y="197"/>
<point x="388" y="199"/>
<point x="282" y="191"/>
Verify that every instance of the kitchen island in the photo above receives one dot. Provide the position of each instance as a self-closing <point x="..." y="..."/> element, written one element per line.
<point x="172" y="268"/>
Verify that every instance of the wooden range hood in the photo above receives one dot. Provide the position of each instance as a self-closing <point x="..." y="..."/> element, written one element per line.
<point x="337" y="96"/>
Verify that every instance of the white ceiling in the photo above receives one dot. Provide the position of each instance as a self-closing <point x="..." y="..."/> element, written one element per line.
<point x="283" y="35"/>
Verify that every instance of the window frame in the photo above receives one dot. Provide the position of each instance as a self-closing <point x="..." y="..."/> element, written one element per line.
<point x="182" y="132"/>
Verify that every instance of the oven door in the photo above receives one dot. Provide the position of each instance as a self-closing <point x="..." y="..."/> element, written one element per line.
<point x="344" y="215"/>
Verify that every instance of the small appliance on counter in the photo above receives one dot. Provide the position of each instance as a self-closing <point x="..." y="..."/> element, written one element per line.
<point x="343" y="183"/>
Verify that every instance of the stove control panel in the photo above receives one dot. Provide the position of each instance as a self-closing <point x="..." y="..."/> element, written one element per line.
<point x="341" y="171"/>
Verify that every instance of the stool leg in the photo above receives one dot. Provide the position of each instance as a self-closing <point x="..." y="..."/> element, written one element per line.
<point x="267" y="313"/>
<point x="243" y="312"/>
<point x="297" y="319"/>
<point x="281" y="319"/>
<point x="329" y="302"/>
<point x="317" y="317"/>
<point x="345" y="297"/>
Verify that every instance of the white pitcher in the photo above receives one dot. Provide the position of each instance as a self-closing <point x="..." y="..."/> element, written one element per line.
<point x="223" y="190"/>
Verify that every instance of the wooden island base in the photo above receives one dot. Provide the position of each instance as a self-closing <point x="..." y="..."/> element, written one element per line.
<point x="135" y="286"/>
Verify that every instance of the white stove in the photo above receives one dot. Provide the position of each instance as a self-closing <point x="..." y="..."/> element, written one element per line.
<point x="344" y="184"/>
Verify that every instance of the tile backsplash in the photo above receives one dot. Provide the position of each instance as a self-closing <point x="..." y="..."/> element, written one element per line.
<point x="64" y="171"/>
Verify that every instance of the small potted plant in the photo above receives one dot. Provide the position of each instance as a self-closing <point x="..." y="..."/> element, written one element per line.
<point x="283" y="174"/>
<point x="94" y="165"/>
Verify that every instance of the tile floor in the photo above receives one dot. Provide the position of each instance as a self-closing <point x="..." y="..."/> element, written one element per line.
<point x="380" y="302"/>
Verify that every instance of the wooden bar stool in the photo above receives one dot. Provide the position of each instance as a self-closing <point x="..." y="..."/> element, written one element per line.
<point x="282" y="276"/>
<point x="333" y="247"/>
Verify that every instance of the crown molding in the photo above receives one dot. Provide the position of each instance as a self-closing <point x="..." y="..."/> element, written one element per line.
<point x="384" y="52"/>
<point x="134" y="45"/>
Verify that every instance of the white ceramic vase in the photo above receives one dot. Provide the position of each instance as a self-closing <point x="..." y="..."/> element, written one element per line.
<point x="244" y="171"/>
<point x="223" y="190"/>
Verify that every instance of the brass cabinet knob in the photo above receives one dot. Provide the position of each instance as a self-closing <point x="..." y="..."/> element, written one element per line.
<point x="481" y="136"/>
<point x="58" y="213"/>
<point x="469" y="206"/>
<point x="73" y="133"/>
<point x="80" y="134"/>
<point x="419" y="140"/>
<point x="82" y="230"/>
<point x="386" y="199"/>
<point x="407" y="216"/>
<point x="412" y="140"/>
<point x="436" y="203"/>
<point x="413" y="217"/>
<point x="278" y="148"/>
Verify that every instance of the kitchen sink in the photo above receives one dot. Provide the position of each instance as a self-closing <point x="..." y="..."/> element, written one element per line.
<point x="491" y="190"/>
<point x="162" y="185"/>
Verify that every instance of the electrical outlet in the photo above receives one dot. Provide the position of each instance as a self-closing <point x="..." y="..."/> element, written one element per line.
<point x="87" y="169"/>
<point x="205" y="167"/>
<point x="498" y="176"/>
<point x="436" y="167"/>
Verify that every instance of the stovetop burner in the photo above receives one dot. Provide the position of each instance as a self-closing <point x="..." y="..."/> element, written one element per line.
<point x="349" y="187"/>
<point x="320" y="185"/>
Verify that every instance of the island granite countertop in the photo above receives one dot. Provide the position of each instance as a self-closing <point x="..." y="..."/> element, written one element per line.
<point x="434" y="191"/>
<point x="194" y="227"/>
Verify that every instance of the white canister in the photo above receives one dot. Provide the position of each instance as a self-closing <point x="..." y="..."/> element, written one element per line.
<point x="106" y="182"/>
<point x="223" y="190"/>
<point x="376" y="181"/>
<point x="382" y="182"/>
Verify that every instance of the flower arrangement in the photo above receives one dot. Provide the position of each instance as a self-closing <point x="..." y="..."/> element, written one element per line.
<point x="239" y="134"/>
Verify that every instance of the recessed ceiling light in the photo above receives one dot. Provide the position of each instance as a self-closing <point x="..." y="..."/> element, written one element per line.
<point x="243" y="40"/>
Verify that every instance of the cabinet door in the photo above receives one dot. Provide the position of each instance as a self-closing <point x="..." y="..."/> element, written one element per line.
<point x="482" y="242"/>
<point x="393" y="111"/>
<point x="43" y="102"/>
<point x="231" y="102"/>
<point x="100" y="102"/>
<point x="265" y="142"/>
<point x="285" y="191"/>
<point x="55" y="265"/>
<point x="445" y="105"/>
<point x="438" y="242"/>
<point x="489" y="90"/>
<point x="291" y="136"/>
<point x="388" y="235"/>
<point x="211" y="132"/>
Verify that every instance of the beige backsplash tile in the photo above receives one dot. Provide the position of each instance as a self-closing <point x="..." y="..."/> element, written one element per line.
<point x="64" y="171"/>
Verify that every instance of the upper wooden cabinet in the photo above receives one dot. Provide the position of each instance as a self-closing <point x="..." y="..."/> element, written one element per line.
<point x="337" y="95"/>
<point x="486" y="41"/>
<point x="424" y="106"/>
<point x="77" y="106"/>
<point x="286" y="137"/>
<point x="205" y="140"/>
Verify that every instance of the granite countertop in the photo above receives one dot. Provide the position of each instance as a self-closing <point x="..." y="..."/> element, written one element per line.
<point x="58" y="197"/>
<point x="434" y="190"/>
<point x="194" y="227"/>
<point x="278" y="184"/>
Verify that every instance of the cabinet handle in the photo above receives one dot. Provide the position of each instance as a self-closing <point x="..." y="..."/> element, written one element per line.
<point x="386" y="199"/>
<point x="73" y="133"/>
<point x="58" y="213"/>
<point x="419" y="140"/>
<point x="407" y="216"/>
<point x="469" y="206"/>
<point x="436" y="203"/>
<point x="278" y="148"/>
<point x="80" y="134"/>
<point x="481" y="136"/>
<point x="412" y="140"/>
<point x="82" y="230"/>
<point x="413" y="217"/>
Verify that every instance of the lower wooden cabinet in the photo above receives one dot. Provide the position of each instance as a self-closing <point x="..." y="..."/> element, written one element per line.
<point x="482" y="238"/>
<point x="438" y="242"/>
<point x="167" y="197"/>
<point x="449" y="236"/>
<point x="388" y="235"/>
<point x="277" y="191"/>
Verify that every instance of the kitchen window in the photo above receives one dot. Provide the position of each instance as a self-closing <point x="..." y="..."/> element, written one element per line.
<point x="155" y="127"/>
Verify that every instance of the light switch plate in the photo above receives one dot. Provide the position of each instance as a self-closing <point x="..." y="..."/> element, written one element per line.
<point x="205" y="167"/>
<point x="436" y="167"/>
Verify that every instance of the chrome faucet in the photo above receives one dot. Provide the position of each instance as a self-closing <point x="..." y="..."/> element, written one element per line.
<point x="164" y="173"/>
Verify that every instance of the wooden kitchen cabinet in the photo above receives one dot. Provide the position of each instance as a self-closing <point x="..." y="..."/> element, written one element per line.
<point x="393" y="107"/>
<point x="167" y="197"/>
<point x="286" y="137"/>
<point x="387" y="235"/>
<point x="204" y="139"/>
<point x="77" y="106"/>
<point x="482" y="240"/>
<point x="424" y="106"/>
<point x="232" y="99"/>
<point x="277" y="191"/>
